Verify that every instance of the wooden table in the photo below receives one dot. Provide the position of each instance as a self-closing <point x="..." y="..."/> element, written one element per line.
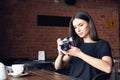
<point x="43" y="75"/>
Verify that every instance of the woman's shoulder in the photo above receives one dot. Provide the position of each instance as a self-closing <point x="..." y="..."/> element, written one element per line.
<point x="102" y="42"/>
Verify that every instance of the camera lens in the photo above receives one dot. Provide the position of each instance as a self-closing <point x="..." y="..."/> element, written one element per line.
<point x="65" y="47"/>
<point x="66" y="43"/>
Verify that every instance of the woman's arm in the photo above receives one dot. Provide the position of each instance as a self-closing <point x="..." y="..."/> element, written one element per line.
<point x="59" y="62"/>
<point x="62" y="61"/>
<point x="104" y="64"/>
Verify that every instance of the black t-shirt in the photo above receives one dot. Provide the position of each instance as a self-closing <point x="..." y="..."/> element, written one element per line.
<point x="81" y="69"/>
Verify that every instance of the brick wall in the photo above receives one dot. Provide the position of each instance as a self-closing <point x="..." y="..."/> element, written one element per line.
<point x="22" y="38"/>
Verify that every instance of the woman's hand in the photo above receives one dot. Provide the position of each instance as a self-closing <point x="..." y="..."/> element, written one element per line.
<point x="59" y="43"/>
<point x="73" y="51"/>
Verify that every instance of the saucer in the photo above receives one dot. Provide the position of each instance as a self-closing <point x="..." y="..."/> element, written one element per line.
<point x="18" y="75"/>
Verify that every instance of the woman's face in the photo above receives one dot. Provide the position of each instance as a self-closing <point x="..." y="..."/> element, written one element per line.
<point x="81" y="27"/>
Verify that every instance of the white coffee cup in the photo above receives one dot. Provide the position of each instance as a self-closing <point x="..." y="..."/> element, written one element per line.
<point x="3" y="72"/>
<point x="18" y="68"/>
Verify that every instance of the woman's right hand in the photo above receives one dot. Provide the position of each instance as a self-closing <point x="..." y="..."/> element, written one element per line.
<point x="59" y="43"/>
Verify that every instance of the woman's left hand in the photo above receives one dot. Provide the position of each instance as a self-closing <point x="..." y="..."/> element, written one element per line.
<point x="73" y="51"/>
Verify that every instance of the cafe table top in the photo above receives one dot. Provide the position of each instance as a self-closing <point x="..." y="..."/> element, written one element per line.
<point x="42" y="74"/>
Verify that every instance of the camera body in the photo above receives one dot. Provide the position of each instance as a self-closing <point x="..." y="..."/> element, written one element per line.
<point x="67" y="42"/>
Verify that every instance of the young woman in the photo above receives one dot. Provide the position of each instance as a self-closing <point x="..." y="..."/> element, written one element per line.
<point x="90" y="55"/>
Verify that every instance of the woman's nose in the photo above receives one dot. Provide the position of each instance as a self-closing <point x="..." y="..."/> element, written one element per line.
<point x="78" y="29"/>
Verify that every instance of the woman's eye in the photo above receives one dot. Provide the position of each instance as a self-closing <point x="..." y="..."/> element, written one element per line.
<point x="80" y="25"/>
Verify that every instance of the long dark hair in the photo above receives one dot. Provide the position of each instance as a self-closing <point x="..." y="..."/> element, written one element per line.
<point x="93" y="33"/>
